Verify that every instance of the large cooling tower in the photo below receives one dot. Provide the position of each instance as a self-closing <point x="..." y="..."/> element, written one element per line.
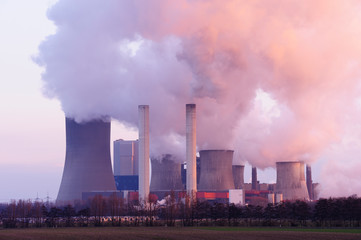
<point x="216" y="170"/>
<point x="291" y="180"/>
<point x="238" y="176"/>
<point x="166" y="174"/>
<point x="87" y="161"/>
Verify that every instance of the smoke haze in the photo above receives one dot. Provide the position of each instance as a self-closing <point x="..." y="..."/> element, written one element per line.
<point x="274" y="80"/>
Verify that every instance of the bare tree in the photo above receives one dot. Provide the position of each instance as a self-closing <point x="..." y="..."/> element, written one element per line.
<point x="10" y="221"/>
<point x="23" y="209"/>
<point x="116" y="205"/>
<point x="37" y="213"/>
<point x="98" y="209"/>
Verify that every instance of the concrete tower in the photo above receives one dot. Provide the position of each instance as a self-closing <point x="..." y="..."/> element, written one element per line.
<point x="191" y="148"/>
<point x="291" y="180"/>
<point x="87" y="161"/>
<point x="254" y="179"/>
<point x="143" y="125"/>
<point x="309" y="181"/>
<point x="166" y="174"/>
<point x="238" y="176"/>
<point x="216" y="170"/>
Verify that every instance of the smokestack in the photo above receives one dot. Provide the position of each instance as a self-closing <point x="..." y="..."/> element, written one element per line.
<point x="254" y="179"/>
<point x="143" y="157"/>
<point x="309" y="181"/>
<point x="216" y="170"/>
<point x="291" y="180"/>
<point x="166" y="174"/>
<point x="87" y="161"/>
<point x="191" y="148"/>
<point x="238" y="176"/>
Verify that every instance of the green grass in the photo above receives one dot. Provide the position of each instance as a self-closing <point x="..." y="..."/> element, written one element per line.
<point x="258" y="229"/>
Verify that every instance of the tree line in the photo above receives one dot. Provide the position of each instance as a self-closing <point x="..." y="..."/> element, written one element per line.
<point x="187" y="211"/>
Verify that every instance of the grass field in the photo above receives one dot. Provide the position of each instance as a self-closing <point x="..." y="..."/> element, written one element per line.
<point x="162" y="233"/>
<point x="330" y="230"/>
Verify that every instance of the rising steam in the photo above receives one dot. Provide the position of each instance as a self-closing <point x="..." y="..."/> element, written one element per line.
<point x="274" y="80"/>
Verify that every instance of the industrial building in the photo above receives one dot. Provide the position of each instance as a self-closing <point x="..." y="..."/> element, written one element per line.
<point x="166" y="174"/>
<point x="143" y="152"/>
<point x="238" y="176"/>
<point x="191" y="148"/>
<point x="125" y="165"/>
<point x="210" y="177"/>
<point x="309" y="182"/>
<point x="216" y="170"/>
<point x="291" y="180"/>
<point x="125" y="157"/>
<point x="87" y="162"/>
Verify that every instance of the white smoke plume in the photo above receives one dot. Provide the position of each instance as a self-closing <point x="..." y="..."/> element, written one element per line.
<point x="109" y="56"/>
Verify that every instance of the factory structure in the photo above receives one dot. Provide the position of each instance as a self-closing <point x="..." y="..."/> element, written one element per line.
<point x="137" y="176"/>
<point x="87" y="160"/>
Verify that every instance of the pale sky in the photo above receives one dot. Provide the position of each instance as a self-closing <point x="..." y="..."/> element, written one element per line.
<point x="32" y="127"/>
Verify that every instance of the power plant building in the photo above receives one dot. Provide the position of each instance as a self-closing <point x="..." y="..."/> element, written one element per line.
<point x="191" y="148"/>
<point x="255" y="183"/>
<point x="291" y="181"/>
<point x="166" y="174"/>
<point x="309" y="182"/>
<point x="143" y="149"/>
<point x="87" y="162"/>
<point x="238" y="176"/>
<point x="125" y="157"/>
<point x="211" y="176"/>
<point x="216" y="170"/>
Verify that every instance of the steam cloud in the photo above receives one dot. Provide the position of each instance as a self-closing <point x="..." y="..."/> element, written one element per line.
<point x="274" y="80"/>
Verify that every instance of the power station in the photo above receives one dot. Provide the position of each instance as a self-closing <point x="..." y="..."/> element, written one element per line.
<point x="136" y="176"/>
<point x="87" y="162"/>
<point x="143" y="152"/>
<point x="191" y="148"/>
<point x="291" y="180"/>
<point x="238" y="176"/>
<point x="166" y="174"/>
<point x="216" y="170"/>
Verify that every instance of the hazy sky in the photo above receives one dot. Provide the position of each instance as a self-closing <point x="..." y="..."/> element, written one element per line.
<point x="32" y="127"/>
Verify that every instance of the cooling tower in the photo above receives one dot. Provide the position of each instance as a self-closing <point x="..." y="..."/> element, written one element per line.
<point x="191" y="150"/>
<point x="238" y="176"/>
<point x="291" y="180"/>
<point x="87" y="161"/>
<point x="143" y="148"/>
<point x="216" y="170"/>
<point x="166" y="174"/>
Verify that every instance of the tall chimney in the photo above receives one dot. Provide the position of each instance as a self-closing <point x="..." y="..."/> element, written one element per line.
<point x="191" y="148"/>
<point x="254" y="179"/>
<point x="143" y="125"/>
<point x="309" y="181"/>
